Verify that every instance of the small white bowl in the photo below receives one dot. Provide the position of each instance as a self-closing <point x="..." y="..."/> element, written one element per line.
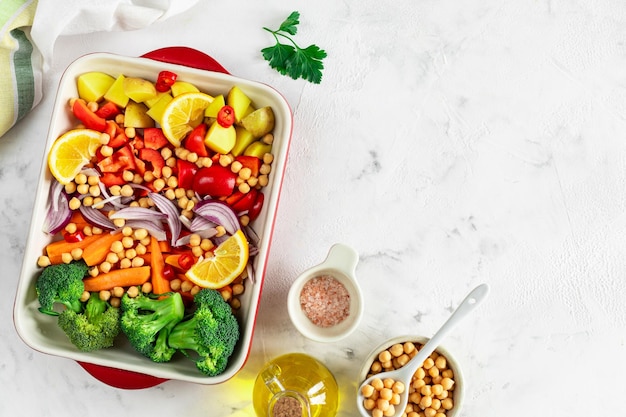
<point x="459" y="382"/>
<point x="340" y="264"/>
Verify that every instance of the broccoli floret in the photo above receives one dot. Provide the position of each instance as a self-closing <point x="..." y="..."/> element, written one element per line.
<point x="94" y="329"/>
<point x="211" y="332"/>
<point x="62" y="283"/>
<point x="147" y="320"/>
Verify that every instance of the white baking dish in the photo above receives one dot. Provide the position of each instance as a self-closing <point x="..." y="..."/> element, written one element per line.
<point x="40" y="331"/>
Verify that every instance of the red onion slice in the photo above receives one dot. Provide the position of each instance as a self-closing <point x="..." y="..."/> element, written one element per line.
<point x="58" y="212"/>
<point x="137" y="213"/>
<point x="219" y="213"/>
<point x="96" y="217"/>
<point x="167" y="207"/>
<point x="155" y="229"/>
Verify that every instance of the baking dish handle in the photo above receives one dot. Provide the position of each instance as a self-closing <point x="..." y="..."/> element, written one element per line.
<point x="186" y="56"/>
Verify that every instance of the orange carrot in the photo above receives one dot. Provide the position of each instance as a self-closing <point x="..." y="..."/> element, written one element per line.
<point x="55" y="250"/>
<point x="126" y="277"/>
<point x="160" y="284"/>
<point x="97" y="251"/>
<point x="164" y="247"/>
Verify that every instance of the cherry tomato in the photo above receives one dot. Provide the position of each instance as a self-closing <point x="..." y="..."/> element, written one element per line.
<point x="165" y="80"/>
<point x="226" y="116"/>
<point x="216" y="181"/>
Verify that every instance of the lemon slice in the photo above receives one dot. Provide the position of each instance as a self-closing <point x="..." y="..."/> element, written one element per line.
<point x="228" y="262"/>
<point x="182" y="114"/>
<point x="71" y="151"/>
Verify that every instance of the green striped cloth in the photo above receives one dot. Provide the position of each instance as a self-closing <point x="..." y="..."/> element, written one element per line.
<point x="20" y="76"/>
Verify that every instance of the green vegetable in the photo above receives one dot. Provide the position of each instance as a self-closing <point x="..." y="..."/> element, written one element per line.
<point x="292" y="60"/>
<point x="94" y="329"/>
<point x="147" y="320"/>
<point x="211" y="332"/>
<point x="62" y="283"/>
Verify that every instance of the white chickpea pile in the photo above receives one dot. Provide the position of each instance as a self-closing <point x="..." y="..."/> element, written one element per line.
<point x="430" y="392"/>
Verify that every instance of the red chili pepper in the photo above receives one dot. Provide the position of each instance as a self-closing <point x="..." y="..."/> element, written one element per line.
<point x="226" y="116"/>
<point x="165" y="80"/>
<point x="186" y="261"/>
<point x="194" y="142"/>
<point x="77" y="236"/>
<point x="168" y="272"/>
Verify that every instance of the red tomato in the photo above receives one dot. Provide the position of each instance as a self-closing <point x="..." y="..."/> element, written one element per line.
<point x="168" y="272"/>
<point x="215" y="181"/>
<point x="226" y="116"/>
<point x="165" y="80"/>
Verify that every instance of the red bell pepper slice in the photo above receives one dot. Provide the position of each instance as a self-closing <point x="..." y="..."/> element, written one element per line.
<point x="153" y="158"/>
<point x="186" y="172"/>
<point x="216" y="181"/>
<point x="90" y="119"/>
<point x="194" y="142"/>
<point x="118" y="141"/>
<point x="108" y="110"/>
<point x="254" y="211"/>
<point x="246" y="202"/>
<point x="153" y="138"/>
<point x="252" y="162"/>
<point x="121" y="160"/>
<point x="110" y="179"/>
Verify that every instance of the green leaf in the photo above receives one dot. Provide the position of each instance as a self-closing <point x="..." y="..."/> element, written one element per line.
<point x="291" y="60"/>
<point x="290" y="24"/>
<point x="278" y="55"/>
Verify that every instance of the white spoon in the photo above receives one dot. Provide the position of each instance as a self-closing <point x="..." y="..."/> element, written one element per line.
<point x="405" y="373"/>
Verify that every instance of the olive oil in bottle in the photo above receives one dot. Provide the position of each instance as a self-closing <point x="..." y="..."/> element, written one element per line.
<point x="295" y="385"/>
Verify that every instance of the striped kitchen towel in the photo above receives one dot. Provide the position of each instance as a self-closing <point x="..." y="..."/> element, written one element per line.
<point x="20" y="63"/>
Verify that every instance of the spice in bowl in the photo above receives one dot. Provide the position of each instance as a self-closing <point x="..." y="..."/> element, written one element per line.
<point x="325" y="301"/>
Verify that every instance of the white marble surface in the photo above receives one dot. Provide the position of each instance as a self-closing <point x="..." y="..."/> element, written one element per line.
<point x="450" y="143"/>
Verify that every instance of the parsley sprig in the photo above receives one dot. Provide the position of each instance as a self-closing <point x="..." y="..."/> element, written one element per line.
<point x="290" y="59"/>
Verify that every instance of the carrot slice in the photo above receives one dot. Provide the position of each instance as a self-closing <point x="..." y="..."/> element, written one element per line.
<point x="55" y="250"/>
<point x="126" y="277"/>
<point x="160" y="285"/>
<point x="97" y="251"/>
